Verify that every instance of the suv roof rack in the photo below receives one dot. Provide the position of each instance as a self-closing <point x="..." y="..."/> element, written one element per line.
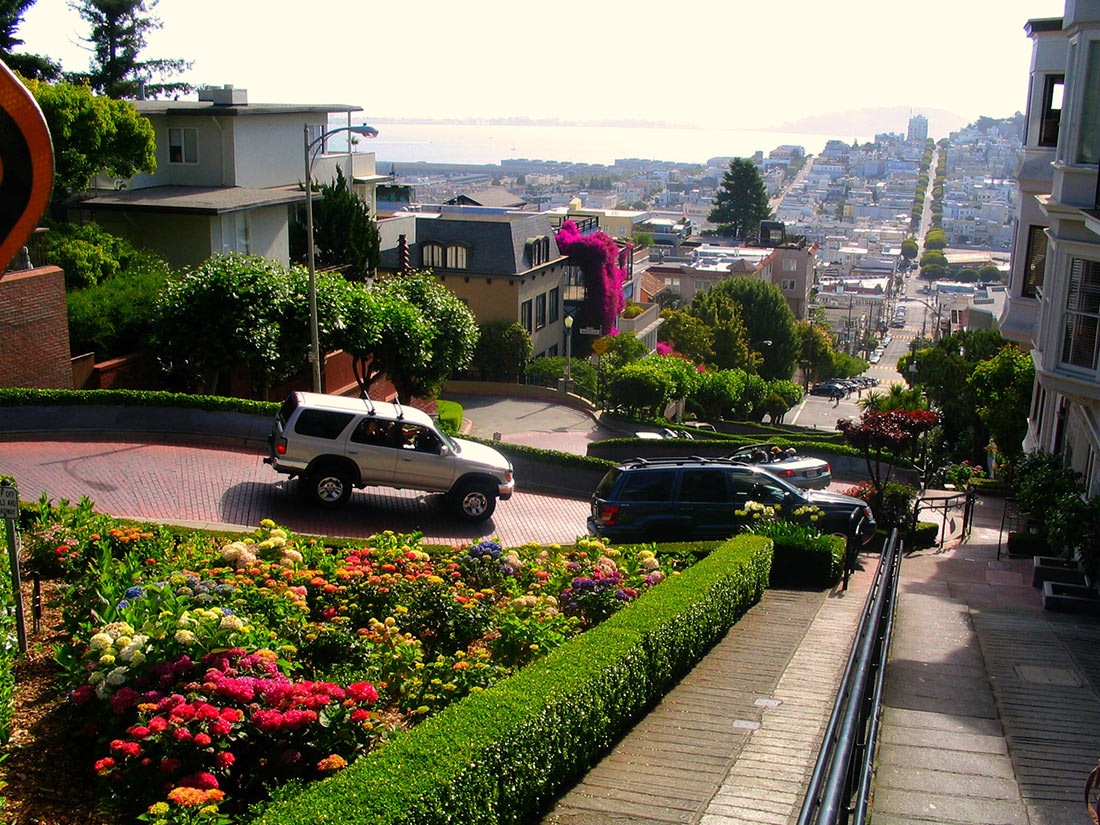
<point x="638" y="461"/>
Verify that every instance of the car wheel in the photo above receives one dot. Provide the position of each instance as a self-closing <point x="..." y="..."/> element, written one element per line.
<point x="475" y="501"/>
<point x="329" y="486"/>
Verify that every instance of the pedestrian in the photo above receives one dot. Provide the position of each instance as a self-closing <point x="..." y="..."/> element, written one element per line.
<point x="837" y="395"/>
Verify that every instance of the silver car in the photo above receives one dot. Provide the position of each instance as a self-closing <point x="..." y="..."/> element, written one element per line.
<point x="802" y="471"/>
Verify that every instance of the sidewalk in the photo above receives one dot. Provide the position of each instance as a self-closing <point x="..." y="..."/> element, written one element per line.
<point x="992" y="713"/>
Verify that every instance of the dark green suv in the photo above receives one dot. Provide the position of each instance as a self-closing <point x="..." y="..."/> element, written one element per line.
<point x="672" y="499"/>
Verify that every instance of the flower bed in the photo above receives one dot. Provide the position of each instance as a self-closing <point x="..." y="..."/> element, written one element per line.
<point x="205" y="671"/>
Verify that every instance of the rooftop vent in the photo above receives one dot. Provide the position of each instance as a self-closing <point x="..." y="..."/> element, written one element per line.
<point x="224" y="95"/>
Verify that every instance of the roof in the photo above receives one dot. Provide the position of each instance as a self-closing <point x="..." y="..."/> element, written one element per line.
<point x="652" y="285"/>
<point x="204" y="108"/>
<point x="494" y="196"/>
<point x="199" y="200"/>
<point x="497" y="243"/>
<point x="359" y="405"/>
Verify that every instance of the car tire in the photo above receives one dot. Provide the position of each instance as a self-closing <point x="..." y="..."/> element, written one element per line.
<point x="329" y="486"/>
<point x="474" y="501"/>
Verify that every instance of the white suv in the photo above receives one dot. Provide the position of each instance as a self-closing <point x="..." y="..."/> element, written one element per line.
<point x="334" y="443"/>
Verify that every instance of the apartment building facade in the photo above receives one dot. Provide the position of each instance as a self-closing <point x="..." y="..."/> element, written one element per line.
<point x="1053" y="302"/>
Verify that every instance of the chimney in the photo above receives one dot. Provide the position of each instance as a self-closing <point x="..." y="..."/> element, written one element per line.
<point x="403" y="253"/>
<point x="225" y="95"/>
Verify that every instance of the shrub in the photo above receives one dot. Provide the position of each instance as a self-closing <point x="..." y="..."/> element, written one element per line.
<point x="501" y="755"/>
<point x="802" y="556"/>
<point x="87" y="253"/>
<point x="924" y="534"/>
<point x="893" y="507"/>
<point x="1027" y="544"/>
<point x="9" y="649"/>
<point x="546" y="372"/>
<point x="116" y="317"/>
<point x="1040" y="480"/>
<point x="502" y="350"/>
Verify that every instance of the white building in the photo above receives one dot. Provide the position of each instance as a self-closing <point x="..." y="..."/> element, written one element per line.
<point x="1053" y="303"/>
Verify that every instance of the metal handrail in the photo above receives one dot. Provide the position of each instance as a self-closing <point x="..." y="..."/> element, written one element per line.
<point x="846" y="761"/>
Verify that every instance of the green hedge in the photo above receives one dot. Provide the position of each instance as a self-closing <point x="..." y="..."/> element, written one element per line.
<point x="1028" y="544"/>
<point x="925" y="534"/>
<point x="802" y="556"/>
<point x="550" y="456"/>
<point x="503" y="755"/>
<point x="133" y="398"/>
<point x="732" y="442"/>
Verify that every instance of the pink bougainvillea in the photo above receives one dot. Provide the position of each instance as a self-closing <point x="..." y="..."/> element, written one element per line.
<point x="601" y="262"/>
<point x="663" y="348"/>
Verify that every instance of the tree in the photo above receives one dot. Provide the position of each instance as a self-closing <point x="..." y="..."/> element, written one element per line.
<point x="411" y="329"/>
<point x="933" y="258"/>
<point x="935" y="239"/>
<point x="92" y="134"/>
<point x="719" y="392"/>
<point x="29" y="65"/>
<point x="909" y="249"/>
<point x="878" y="434"/>
<point x="933" y="272"/>
<point x="897" y="397"/>
<point x="502" y="351"/>
<point x="238" y="310"/>
<point x="1003" y="386"/>
<point x="344" y="232"/>
<point x="767" y="317"/>
<point x="598" y="257"/>
<point x="118" y="31"/>
<point x="640" y="387"/>
<point x="620" y="350"/>
<point x="741" y="201"/>
<point x="968" y="276"/>
<point x="722" y="315"/>
<point x="688" y="335"/>
<point x="683" y="374"/>
<point x="988" y="274"/>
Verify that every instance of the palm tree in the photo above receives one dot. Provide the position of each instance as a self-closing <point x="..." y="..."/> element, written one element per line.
<point x="898" y="397"/>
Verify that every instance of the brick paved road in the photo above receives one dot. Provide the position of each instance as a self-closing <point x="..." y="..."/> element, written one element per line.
<point x="188" y="483"/>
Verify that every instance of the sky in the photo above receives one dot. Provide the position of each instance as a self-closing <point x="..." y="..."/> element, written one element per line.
<point x="715" y="63"/>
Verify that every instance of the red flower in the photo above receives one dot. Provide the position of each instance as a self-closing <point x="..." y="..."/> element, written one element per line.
<point x="224" y="759"/>
<point x="83" y="694"/>
<point x="104" y="765"/>
<point x="158" y="724"/>
<point x="204" y="780"/>
<point x="170" y="765"/>
<point x="138" y="731"/>
<point x="202" y="740"/>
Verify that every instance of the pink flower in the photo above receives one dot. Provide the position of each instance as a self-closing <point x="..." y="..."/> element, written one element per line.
<point x="124" y="699"/>
<point x="363" y="692"/>
<point x="83" y="694"/>
<point x="221" y="727"/>
<point x="204" y="780"/>
<point x="182" y="734"/>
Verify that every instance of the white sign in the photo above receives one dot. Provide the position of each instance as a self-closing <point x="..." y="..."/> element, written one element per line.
<point x="9" y="502"/>
<point x="589" y="331"/>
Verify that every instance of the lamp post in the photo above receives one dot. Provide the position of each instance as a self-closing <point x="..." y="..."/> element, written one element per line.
<point x="314" y="334"/>
<point x="568" y="347"/>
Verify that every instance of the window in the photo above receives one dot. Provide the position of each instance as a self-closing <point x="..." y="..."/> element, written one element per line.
<point x="456" y="257"/>
<point x="786" y="285"/>
<point x="553" y="351"/>
<point x="374" y="431"/>
<point x="1082" y="317"/>
<point x="322" y="423"/>
<point x="525" y="316"/>
<point x="431" y="254"/>
<point x="790" y="265"/>
<point x="1088" y="141"/>
<point x="183" y="145"/>
<point x="540" y="311"/>
<point x="1052" y="109"/>
<point x="313" y="133"/>
<point x="648" y="485"/>
<point x="538" y="250"/>
<point x="554" y="302"/>
<point x="703" y="485"/>
<point x="1036" y="262"/>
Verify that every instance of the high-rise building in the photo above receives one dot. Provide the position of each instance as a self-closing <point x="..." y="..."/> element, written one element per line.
<point x="1053" y="305"/>
<point x="918" y="128"/>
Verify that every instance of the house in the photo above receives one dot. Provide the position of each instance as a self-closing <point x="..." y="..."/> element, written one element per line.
<point x="1053" y="296"/>
<point x="229" y="173"/>
<point x="505" y="266"/>
<point x="496" y="197"/>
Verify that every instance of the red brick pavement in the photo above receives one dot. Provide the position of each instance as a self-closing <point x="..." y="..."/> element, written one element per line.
<point x="189" y="483"/>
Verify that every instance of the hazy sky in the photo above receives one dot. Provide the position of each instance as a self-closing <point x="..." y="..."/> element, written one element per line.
<point x="719" y="63"/>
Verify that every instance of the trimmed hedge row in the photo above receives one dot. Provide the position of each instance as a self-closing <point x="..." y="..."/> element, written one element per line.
<point x="502" y="755"/>
<point x="20" y="397"/>
<point x="732" y="442"/>
<point x="549" y="456"/>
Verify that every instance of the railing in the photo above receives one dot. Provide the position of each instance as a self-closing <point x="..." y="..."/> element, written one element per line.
<point x="966" y="500"/>
<point x="840" y="787"/>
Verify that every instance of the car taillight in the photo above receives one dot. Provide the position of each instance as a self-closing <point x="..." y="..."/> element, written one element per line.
<point x="787" y="473"/>
<point x="608" y="514"/>
<point x="828" y="469"/>
<point x="280" y="448"/>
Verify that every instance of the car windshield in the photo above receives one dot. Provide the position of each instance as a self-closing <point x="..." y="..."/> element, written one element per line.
<point x="450" y="442"/>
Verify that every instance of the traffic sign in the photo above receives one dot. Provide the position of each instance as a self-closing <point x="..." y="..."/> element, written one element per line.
<point x="599" y="346"/>
<point x="9" y="502"/>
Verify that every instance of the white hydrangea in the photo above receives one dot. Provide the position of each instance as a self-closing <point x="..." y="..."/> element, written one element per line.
<point x="117" y="676"/>
<point x="100" y="641"/>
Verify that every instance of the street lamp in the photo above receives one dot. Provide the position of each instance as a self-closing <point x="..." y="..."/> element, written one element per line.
<point x="314" y="335"/>
<point x="568" y="347"/>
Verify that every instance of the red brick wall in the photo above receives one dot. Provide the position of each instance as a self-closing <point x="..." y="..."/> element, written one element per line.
<point x="34" y="330"/>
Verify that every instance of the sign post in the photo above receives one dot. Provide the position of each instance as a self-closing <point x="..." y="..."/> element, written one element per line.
<point x="9" y="512"/>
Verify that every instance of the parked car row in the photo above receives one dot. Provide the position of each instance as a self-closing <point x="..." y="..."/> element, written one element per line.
<point x="843" y="386"/>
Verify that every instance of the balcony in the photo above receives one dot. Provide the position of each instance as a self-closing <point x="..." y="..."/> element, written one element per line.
<point x="644" y="325"/>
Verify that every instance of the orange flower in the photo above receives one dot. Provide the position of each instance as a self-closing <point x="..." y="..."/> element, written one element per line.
<point x="332" y="763"/>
